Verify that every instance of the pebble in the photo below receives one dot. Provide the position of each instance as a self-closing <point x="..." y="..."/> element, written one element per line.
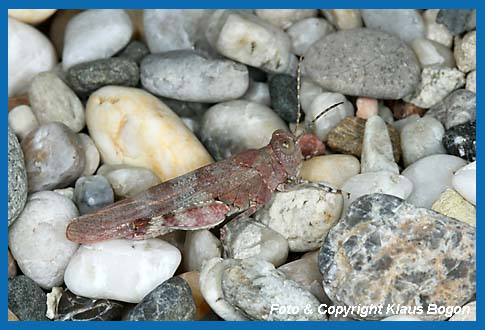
<point x="230" y="127"/>
<point x="457" y="108"/>
<point x="58" y="27"/>
<point x="29" y="52"/>
<point x="432" y="53"/>
<point x="283" y="90"/>
<point x="135" y="51"/>
<point x="383" y="182"/>
<point x="66" y="192"/>
<point x="203" y="311"/>
<point x="92" y="193"/>
<point x="54" y="157"/>
<point x="128" y="181"/>
<point x="366" y="107"/>
<point x="460" y="140"/>
<point x="76" y="308"/>
<point x="466" y="52"/>
<point x="406" y="24"/>
<point x="22" y="121"/>
<point x="254" y="285"/>
<point x="379" y="254"/>
<point x="455" y="20"/>
<point x="436" y="84"/>
<point x="430" y="176"/>
<point x="211" y="289"/>
<point x="436" y="31"/>
<point x="52" y="100"/>
<point x="308" y="92"/>
<point x="95" y="34"/>
<point x="332" y="169"/>
<point x="284" y="18"/>
<point x="303" y="216"/>
<point x="307" y="31"/>
<point x="88" y="77"/>
<point x="246" y="238"/>
<point x="385" y="113"/>
<point x="95" y="270"/>
<point x="258" y="92"/>
<point x="465" y="180"/>
<point x="31" y="16"/>
<point x="348" y="136"/>
<point x="26" y="299"/>
<point x="12" y="316"/>
<point x="343" y="19"/>
<point x="132" y="127"/>
<point x="17" y="178"/>
<point x="471" y="81"/>
<point x="402" y="109"/>
<point x="38" y="240"/>
<point x="363" y="62"/>
<point x="400" y="124"/>
<point x="421" y="138"/>
<point x="451" y="204"/>
<point x="470" y="315"/>
<point x="188" y="75"/>
<point x="187" y="109"/>
<point x="248" y="39"/>
<point x="330" y="118"/>
<point x="12" y="266"/>
<point x="200" y="245"/>
<point x="170" y="301"/>
<point x="91" y="155"/>
<point x="377" y="154"/>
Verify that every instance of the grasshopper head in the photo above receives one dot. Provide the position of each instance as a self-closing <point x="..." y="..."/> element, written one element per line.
<point x="287" y="151"/>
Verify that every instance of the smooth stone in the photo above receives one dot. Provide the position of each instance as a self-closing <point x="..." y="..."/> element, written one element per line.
<point x="135" y="51"/>
<point x="54" y="157"/>
<point x="29" y="52"/>
<point x="188" y="75"/>
<point x="258" y="92"/>
<point x="254" y="285"/>
<point x="363" y="62"/>
<point x="58" y="27"/>
<point x="248" y="39"/>
<point x="66" y="192"/>
<point x="466" y="52"/>
<point x="421" y="138"/>
<point x="377" y="153"/>
<point x="12" y="266"/>
<point x="95" y="34"/>
<point x="246" y="238"/>
<point x="366" y="107"/>
<point x="387" y="251"/>
<point x="76" y="308"/>
<point x="389" y="183"/>
<point x="128" y="181"/>
<point x="471" y="81"/>
<point x="430" y="176"/>
<point x="469" y="315"/>
<point x="283" y="92"/>
<point x="435" y="31"/>
<point x="17" y="178"/>
<point x="303" y="216"/>
<point x="400" y="124"/>
<point x="52" y="100"/>
<point x="455" y="20"/>
<point x="453" y="205"/>
<point x="436" y="84"/>
<point x="92" y="193"/>
<point x="406" y="24"/>
<point x="12" y="316"/>
<point x="460" y="140"/>
<point x="211" y="289"/>
<point x="284" y="18"/>
<point x="305" y="32"/>
<point x="332" y="169"/>
<point x="203" y="311"/>
<point x="170" y="301"/>
<point x="132" y="127"/>
<point x="38" y="240"/>
<point x="107" y="270"/>
<point x="26" y="299"/>
<point x="200" y="245"/>
<point x="323" y="125"/>
<point x="22" y="121"/>
<point x="308" y="92"/>
<point x="231" y="127"/>
<point x="88" y="77"/>
<point x="432" y="53"/>
<point x="465" y="180"/>
<point x="385" y="113"/>
<point x="91" y="155"/>
<point x="31" y="16"/>
<point x="457" y="108"/>
<point x="343" y="19"/>
<point x="399" y="317"/>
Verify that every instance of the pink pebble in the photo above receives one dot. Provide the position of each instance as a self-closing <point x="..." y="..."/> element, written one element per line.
<point x="366" y="107"/>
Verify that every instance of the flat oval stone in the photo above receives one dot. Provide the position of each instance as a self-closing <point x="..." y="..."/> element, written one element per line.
<point x="17" y="178"/>
<point x="387" y="251"/>
<point x="26" y="299"/>
<point x="333" y="169"/>
<point x="407" y="24"/>
<point x="92" y="193"/>
<point x="457" y="108"/>
<point x="363" y="62"/>
<point x="460" y="140"/>
<point x="199" y="246"/>
<point x="76" y="308"/>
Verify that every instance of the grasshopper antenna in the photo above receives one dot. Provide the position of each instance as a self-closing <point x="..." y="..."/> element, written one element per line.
<point x="298" y="88"/>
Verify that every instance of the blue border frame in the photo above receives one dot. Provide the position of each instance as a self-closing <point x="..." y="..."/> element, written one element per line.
<point x="232" y="4"/>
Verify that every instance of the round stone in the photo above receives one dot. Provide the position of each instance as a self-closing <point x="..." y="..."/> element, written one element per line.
<point x="17" y="178"/>
<point x="332" y="169"/>
<point x="92" y="193"/>
<point x="22" y="121"/>
<point x="407" y="24"/>
<point x="200" y="245"/>
<point x="460" y="140"/>
<point x="282" y="88"/>
<point x="26" y="299"/>
<point x="305" y="32"/>
<point x="76" y="308"/>
<point x="457" y="108"/>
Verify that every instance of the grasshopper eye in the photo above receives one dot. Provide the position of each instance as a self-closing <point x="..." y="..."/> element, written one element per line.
<point x="287" y="146"/>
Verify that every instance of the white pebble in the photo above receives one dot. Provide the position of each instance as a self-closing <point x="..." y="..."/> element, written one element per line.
<point x="31" y="16"/>
<point x="431" y="53"/>
<point x="308" y="92"/>
<point x="258" y="92"/>
<point x="284" y="18"/>
<point x="91" y="155"/>
<point x="22" y="121"/>
<point x="200" y="245"/>
<point x="465" y="180"/>
<point x="436" y="31"/>
<point x="306" y="31"/>
<point x="332" y="169"/>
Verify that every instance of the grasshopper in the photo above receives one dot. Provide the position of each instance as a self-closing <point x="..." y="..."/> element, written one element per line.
<point x="204" y="198"/>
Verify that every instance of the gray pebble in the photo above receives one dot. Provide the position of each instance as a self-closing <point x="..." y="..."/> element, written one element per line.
<point x="282" y="89"/>
<point x="135" y="51"/>
<point x="92" y="193"/>
<point x="457" y="108"/>
<point x="17" y="178"/>
<point x="26" y="299"/>
<point x="455" y="20"/>
<point x="407" y="24"/>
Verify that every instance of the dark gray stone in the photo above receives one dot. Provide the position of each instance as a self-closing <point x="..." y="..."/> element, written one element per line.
<point x="282" y="89"/>
<point x="170" y="301"/>
<point x="76" y="308"/>
<point x="363" y="62"/>
<point x="135" y="51"/>
<point x="17" y="178"/>
<point x="454" y="19"/>
<point x="26" y="299"/>
<point x="92" y="193"/>
<point x="457" y="108"/>
<point x="387" y="251"/>
<point x="460" y="140"/>
<point x="87" y="77"/>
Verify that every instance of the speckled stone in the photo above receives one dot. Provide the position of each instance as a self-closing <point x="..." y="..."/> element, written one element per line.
<point x="170" y="301"/>
<point x="453" y="205"/>
<point x="282" y="89"/>
<point x="17" y="178"/>
<point x="386" y="251"/>
<point x="26" y="299"/>
<point x="92" y="193"/>
<point x="135" y="51"/>
<point x="87" y="77"/>
<point x="454" y="19"/>
<point x="76" y="308"/>
<point x="457" y="108"/>
<point x="460" y="140"/>
<point x="465" y="52"/>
